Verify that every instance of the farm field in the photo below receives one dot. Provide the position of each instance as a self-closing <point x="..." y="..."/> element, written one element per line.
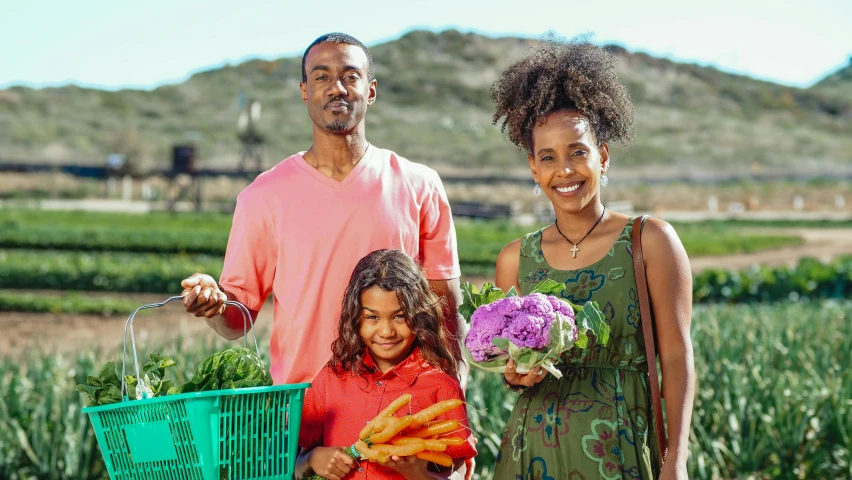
<point x="52" y="262"/>
<point x="88" y="251"/>
<point x="160" y="232"/>
<point x="773" y="384"/>
<point x="773" y="395"/>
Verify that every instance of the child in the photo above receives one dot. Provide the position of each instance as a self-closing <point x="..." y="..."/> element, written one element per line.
<point x="390" y="341"/>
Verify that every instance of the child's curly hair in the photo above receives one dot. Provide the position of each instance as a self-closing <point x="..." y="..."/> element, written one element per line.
<point x="559" y="75"/>
<point x="392" y="271"/>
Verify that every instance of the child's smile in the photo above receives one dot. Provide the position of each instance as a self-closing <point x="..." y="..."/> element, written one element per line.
<point x="384" y="328"/>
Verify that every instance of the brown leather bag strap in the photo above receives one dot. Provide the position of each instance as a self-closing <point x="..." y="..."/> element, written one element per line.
<point x="648" y="331"/>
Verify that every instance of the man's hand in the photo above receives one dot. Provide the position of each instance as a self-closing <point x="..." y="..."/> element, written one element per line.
<point x="330" y="462"/>
<point x="534" y="376"/>
<point x="202" y="296"/>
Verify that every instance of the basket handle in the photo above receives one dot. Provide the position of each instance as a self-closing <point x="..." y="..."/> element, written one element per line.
<point x="128" y="327"/>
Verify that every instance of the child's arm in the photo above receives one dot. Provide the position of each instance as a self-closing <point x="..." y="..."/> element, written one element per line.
<point x="312" y="428"/>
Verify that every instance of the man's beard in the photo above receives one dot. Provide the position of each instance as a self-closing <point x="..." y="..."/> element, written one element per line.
<point x="337" y="126"/>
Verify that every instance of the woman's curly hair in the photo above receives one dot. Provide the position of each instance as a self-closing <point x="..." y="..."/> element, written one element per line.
<point x="559" y="75"/>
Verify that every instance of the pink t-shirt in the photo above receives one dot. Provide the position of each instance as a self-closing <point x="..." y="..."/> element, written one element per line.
<point x="299" y="234"/>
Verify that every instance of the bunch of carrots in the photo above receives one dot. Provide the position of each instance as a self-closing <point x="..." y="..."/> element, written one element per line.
<point x="418" y="434"/>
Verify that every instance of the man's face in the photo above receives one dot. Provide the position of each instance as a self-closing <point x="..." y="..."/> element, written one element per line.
<point x="338" y="89"/>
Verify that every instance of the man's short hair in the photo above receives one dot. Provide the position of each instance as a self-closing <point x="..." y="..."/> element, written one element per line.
<point x="337" y="37"/>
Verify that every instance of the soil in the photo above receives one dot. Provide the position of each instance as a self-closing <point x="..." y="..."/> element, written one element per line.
<point x="67" y="334"/>
<point x="824" y="244"/>
<point x="63" y="333"/>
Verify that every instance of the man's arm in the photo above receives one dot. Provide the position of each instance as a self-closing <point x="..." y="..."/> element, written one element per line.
<point x="450" y="292"/>
<point x="231" y="324"/>
<point x="247" y="274"/>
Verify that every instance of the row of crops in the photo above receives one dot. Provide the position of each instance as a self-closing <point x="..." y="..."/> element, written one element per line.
<point x="157" y="273"/>
<point x="97" y="252"/>
<point x="774" y="399"/>
<point x="479" y="242"/>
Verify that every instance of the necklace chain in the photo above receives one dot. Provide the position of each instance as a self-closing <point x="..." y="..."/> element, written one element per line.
<point x="575" y="248"/>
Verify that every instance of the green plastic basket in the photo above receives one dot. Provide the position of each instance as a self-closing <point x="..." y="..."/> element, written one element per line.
<point x="248" y="433"/>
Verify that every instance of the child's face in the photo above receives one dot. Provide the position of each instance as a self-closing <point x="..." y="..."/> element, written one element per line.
<point x="384" y="328"/>
<point x="566" y="161"/>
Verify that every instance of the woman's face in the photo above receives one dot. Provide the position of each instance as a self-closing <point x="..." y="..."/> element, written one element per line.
<point x="384" y="328"/>
<point x="566" y="161"/>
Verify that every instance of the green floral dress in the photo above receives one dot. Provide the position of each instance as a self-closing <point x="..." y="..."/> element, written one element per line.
<point x="594" y="421"/>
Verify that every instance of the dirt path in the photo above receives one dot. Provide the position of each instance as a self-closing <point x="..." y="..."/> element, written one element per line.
<point x="69" y="333"/>
<point x="824" y="244"/>
<point x="64" y="333"/>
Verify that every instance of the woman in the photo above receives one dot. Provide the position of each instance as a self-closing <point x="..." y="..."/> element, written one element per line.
<point x="563" y="104"/>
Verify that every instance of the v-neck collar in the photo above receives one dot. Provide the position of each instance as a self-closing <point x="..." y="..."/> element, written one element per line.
<point x="330" y="182"/>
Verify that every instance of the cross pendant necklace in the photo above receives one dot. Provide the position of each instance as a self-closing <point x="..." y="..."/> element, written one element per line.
<point x="575" y="246"/>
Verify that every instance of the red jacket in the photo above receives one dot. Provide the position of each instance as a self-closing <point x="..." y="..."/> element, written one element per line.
<point x="337" y="407"/>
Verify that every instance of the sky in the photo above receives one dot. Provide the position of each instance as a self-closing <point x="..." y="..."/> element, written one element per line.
<point x="113" y="45"/>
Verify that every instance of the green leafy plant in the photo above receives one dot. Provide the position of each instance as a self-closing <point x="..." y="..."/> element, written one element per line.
<point x="106" y="387"/>
<point x="474" y="297"/>
<point x="101" y="271"/>
<point x="70" y="302"/>
<point x="154" y="383"/>
<point x="233" y="367"/>
<point x="103" y="389"/>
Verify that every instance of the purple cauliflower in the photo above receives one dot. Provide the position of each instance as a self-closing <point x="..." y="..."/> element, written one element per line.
<point x="524" y="321"/>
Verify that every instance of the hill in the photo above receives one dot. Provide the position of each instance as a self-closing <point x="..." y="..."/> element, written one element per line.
<point x="434" y="106"/>
<point x="838" y="83"/>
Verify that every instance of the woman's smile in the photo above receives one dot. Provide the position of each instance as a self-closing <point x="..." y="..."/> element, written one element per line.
<point x="566" y="190"/>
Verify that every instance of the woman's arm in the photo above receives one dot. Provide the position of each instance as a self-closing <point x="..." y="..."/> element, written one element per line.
<point x="508" y="264"/>
<point x="670" y="288"/>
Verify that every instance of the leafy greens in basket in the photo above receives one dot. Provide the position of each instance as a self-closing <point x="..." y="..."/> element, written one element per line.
<point x="232" y="367"/>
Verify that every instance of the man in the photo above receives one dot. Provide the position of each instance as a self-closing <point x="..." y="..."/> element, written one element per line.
<point x="300" y="228"/>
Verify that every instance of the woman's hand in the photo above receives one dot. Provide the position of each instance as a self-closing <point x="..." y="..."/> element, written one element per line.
<point x="330" y="462"/>
<point x="534" y="376"/>
<point x="202" y="296"/>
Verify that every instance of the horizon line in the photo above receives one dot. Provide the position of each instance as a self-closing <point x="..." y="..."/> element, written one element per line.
<point x="437" y="30"/>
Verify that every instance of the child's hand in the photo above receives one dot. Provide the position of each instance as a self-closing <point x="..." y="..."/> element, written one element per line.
<point x="330" y="462"/>
<point x="410" y="467"/>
